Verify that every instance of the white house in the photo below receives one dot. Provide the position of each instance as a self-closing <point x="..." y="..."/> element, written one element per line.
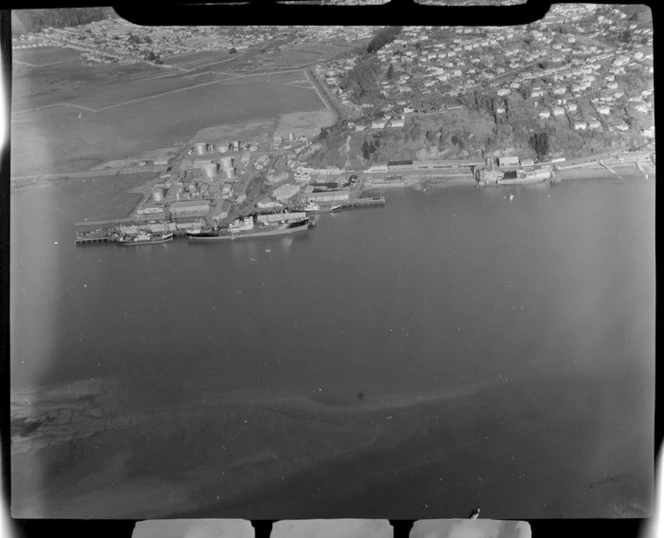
<point x="558" y="111"/>
<point x="571" y="107"/>
<point x="502" y="92"/>
<point x="544" y="114"/>
<point x="603" y="109"/>
<point x="580" y="125"/>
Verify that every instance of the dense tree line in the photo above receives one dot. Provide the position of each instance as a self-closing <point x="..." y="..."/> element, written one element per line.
<point x="382" y="38"/>
<point x="361" y="79"/>
<point x="540" y="143"/>
<point x="477" y="101"/>
<point x="34" y="20"/>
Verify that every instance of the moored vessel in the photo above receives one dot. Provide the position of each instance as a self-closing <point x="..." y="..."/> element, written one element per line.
<point x="313" y="207"/>
<point x="144" y="238"/>
<point x="257" y="226"/>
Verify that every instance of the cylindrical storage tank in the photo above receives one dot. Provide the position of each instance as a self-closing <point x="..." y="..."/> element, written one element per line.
<point x="253" y="147"/>
<point x="229" y="173"/>
<point x="222" y="148"/>
<point x="200" y="148"/>
<point x="158" y="195"/>
<point x="226" y="162"/>
<point x="330" y="73"/>
<point x="290" y="136"/>
<point x="236" y="145"/>
<point x="210" y="170"/>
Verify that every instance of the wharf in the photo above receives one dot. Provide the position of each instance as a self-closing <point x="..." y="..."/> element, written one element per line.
<point x="93" y="239"/>
<point x="364" y="202"/>
<point x="106" y="223"/>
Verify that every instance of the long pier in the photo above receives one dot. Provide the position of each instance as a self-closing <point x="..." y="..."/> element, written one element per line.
<point x="84" y="240"/>
<point x="364" y="202"/>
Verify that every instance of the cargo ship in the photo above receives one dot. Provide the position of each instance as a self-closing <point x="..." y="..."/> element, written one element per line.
<point x="257" y="226"/>
<point x="144" y="238"/>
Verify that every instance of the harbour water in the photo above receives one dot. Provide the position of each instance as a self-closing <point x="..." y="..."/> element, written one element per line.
<point x="522" y="329"/>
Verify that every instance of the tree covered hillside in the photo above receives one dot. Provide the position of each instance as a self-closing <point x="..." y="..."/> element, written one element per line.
<point x="26" y="21"/>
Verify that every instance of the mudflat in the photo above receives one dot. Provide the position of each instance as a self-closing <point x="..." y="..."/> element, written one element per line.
<point x="102" y="449"/>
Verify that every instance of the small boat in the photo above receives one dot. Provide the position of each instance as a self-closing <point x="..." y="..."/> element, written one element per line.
<point x="475" y="514"/>
<point x="312" y="207"/>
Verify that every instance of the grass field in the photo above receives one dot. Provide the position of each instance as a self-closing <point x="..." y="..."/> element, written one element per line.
<point x="51" y="84"/>
<point x="56" y="140"/>
<point x="45" y="56"/>
<point x="127" y="91"/>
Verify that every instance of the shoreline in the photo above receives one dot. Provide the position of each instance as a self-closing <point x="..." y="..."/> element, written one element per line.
<point x="588" y="171"/>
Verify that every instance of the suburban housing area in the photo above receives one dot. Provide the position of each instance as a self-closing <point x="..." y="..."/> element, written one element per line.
<point x="406" y="106"/>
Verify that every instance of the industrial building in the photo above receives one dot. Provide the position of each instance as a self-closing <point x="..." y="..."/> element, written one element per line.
<point x="284" y="192"/>
<point x="405" y="166"/>
<point x="277" y="178"/>
<point x="329" y="196"/>
<point x="190" y="208"/>
<point x="508" y="162"/>
<point x="219" y="211"/>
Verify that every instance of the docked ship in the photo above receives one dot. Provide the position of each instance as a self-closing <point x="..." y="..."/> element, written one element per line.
<point x="257" y="226"/>
<point x="524" y="177"/>
<point x="144" y="238"/>
<point x="538" y="174"/>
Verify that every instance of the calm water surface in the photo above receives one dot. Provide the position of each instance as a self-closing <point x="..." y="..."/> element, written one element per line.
<point x="437" y="290"/>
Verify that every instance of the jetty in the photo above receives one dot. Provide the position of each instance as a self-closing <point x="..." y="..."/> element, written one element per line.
<point x="608" y="167"/>
<point x="364" y="202"/>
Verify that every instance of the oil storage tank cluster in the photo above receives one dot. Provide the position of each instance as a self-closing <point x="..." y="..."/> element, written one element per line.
<point x="158" y="195"/>
<point x="210" y="170"/>
<point x="200" y="148"/>
<point x="227" y="167"/>
<point x="226" y="162"/>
